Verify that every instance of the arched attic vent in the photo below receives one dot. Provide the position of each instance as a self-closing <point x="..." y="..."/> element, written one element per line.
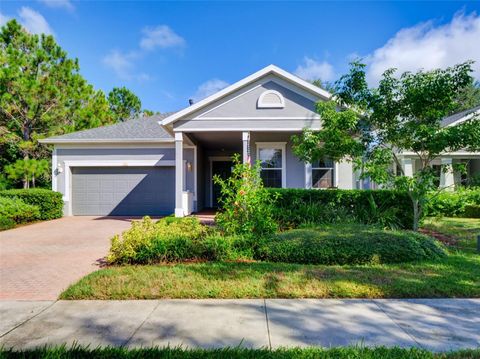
<point x="271" y="99"/>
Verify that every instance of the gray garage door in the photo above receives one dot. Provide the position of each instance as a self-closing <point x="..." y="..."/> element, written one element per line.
<point x="121" y="191"/>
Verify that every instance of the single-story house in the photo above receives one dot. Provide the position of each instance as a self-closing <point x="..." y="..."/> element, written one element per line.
<point x="164" y="164"/>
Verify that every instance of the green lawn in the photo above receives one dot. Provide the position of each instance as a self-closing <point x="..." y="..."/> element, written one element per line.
<point x="234" y="353"/>
<point x="458" y="275"/>
<point x="464" y="230"/>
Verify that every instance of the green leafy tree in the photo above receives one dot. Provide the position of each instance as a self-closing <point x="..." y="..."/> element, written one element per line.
<point x="326" y="85"/>
<point x="372" y="127"/>
<point x="247" y="207"/>
<point x="469" y="97"/>
<point x="124" y="104"/>
<point x="27" y="170"/>
<point x="41" y="93"/>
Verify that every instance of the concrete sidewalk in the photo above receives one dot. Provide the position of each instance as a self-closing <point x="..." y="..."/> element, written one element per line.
<point x="438" y="325"/>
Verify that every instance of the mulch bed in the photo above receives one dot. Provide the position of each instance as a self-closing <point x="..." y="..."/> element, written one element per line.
<point x="445" y="239"/>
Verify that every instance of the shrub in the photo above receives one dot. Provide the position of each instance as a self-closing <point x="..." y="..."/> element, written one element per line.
<point x="169" y="239"/>
<point x="6" y="223"/>
<point x="49" y="202"/>
<point x="472" y="211"/>
<point x="452" y="204"/>
<point x="354" y="244"/>
<point x="14" y="209"/>
<point x="246" y="206"/>
<point x="388" y="208"/>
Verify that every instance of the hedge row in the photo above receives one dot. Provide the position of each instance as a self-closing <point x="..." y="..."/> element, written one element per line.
<point x="388" y="208"/>
<point x="463" y="202"/>
<point x="49" y="203"/>
<point x="14" y="210"/>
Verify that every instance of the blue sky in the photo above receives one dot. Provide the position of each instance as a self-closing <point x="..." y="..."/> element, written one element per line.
<point x="168" y="52"/>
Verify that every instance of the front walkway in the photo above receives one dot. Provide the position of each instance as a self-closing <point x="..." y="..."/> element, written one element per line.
<point x="38" y="261"/>
<point x="433" y="324"/>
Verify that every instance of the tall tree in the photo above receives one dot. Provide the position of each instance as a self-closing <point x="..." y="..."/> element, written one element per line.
<point x="124" y="104"/>
<point x="41" y="93"/>
<point x="373" y="126"/>
<point x="469" y="97"/>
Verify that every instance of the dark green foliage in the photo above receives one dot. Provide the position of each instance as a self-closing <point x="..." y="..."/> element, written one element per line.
<point x="79" y="352"/>
<point x="472" y="211"/>
<point x="354" y="244"/>
<point x="50" y="203"/>
<point x="453" y="204"/>
<point x="16" y="210"/>
<point x="387" y="208"/>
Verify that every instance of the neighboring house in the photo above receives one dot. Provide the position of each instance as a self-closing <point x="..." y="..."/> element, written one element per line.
<point x="164" y="164"/>
<point x="448" y="179"/>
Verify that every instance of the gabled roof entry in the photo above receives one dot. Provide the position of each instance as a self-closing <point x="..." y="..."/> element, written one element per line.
<point x="270" y="69"/>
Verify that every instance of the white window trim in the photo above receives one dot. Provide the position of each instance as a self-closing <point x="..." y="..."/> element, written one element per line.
<point x="262" y="104"/>
<point x="309" y="175"/>
<point x="276" y="145"/>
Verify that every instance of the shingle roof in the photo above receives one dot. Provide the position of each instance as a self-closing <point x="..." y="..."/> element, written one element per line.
<point x="143" y="128"/>
<point x="458" y="116"/>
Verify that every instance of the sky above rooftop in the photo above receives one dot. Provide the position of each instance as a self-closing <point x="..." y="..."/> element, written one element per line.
<point x="168" y="52"/>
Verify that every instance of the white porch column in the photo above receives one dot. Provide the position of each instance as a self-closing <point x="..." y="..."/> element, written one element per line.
<point x="447" y="180"/>
<point x="407" y="164"/>
<point x="308" y="175"/>
<point x="179" y="174"/>
<point x="246" y="146"/>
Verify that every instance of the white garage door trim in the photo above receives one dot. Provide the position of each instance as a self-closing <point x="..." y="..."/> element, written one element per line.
<point x="111" y="163"/>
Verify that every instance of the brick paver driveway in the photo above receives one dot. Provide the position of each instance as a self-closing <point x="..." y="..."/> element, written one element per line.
<point x="38" y="261"/>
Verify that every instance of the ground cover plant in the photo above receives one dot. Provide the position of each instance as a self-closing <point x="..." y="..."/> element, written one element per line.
<point x="233" y="353"/>
<point x="350" y="244"/>
<point x="179" y="239"/>
<point x="459" y="233"/>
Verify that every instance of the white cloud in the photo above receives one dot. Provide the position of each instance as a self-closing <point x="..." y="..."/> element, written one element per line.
<point x="314" y="70"/>
<point x="209" y="88"/>
<point x="160" y="36"/>
<point x="59" y="4"/>
<point x="34" y="22"/>
<point x="3" y="19"/>
<point x="123" y="64"/>
<point x="428" y="46"/>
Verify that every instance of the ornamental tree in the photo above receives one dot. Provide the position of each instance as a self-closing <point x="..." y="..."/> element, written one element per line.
<point x="372" y="127"/>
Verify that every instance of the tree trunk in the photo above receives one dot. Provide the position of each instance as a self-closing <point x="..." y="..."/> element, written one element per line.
<point x="416" y="214"/>
<point x="33" y="181"/>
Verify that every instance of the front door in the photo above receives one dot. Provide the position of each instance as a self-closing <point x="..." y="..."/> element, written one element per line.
<point x="223" y="169"/>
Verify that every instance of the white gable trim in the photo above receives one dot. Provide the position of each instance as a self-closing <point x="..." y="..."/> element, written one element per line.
<point x="271" y="69"/>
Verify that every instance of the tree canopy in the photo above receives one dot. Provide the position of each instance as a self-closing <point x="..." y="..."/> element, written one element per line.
<point x="373" y="127"/>
<point x="42" y="93"/>
<point x="124" y="104"/>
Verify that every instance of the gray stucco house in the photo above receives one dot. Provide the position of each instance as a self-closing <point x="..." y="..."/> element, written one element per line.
<point x="164" y="164"/>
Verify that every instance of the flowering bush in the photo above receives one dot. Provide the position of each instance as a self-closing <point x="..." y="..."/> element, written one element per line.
<point x="246" y="206"/>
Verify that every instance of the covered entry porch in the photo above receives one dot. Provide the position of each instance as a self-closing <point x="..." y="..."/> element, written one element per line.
<point x="280" y="167"/>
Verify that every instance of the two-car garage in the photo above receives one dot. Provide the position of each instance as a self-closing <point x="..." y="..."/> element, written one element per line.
<point x="123" y="191"/>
